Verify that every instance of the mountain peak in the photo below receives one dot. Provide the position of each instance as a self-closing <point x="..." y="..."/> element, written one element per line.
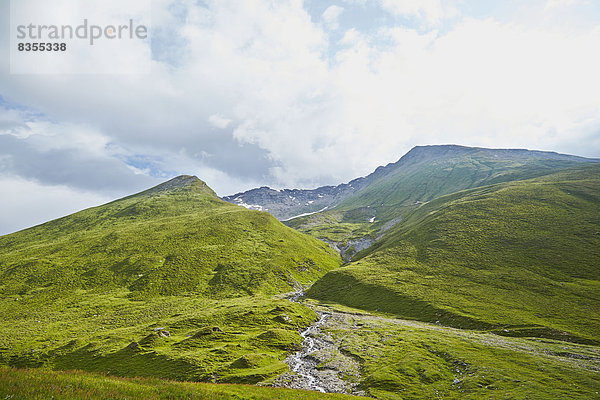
<point x="183" y="182"/>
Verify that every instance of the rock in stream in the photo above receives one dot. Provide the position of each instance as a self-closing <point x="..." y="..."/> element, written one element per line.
<point x="319" y="364"/>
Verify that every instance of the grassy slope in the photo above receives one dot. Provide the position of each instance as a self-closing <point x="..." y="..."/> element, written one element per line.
<point x="413" y="360"/>
<point x="18" y="384"/>
<point x="426" y="173"/>
<point x="76" y="292"/>
<point x="163" y="242"/>
<point x="519" y="256"/>
<point x="423" y="174"/>
<point x="229" y="340"/>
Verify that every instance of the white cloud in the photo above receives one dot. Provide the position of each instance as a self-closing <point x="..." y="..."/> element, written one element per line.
<point x="45" y="136"/>
<point x="331" y="16"/>
<point x="218" y="121"/>
<point x="482" y="83"/>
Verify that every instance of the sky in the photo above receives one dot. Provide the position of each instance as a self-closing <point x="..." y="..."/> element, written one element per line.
<point x="295" y="94"/>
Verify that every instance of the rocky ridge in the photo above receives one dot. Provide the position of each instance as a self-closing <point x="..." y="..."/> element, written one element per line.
<point x="286" y="204"/>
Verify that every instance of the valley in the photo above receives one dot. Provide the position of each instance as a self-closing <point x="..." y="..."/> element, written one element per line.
<point x="455" y="272"/>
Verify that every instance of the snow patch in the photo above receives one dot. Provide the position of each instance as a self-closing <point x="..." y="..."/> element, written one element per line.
<point x="304" y="215"/>
<point x="256" y="207"/>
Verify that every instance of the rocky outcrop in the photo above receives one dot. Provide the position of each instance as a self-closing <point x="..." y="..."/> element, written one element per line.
<point x="289" y="203"/>
<point x="286" y="204"/>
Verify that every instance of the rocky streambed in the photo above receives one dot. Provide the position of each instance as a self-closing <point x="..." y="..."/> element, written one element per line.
<point x="320" y="365"/>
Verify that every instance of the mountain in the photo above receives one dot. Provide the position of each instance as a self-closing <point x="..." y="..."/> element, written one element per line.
<point x="519" y="258"/>
<point x="470" y="167"/>
<point x="157" y="284"/>
<point x="421" y="175"/>
<point x="287" y="204"/>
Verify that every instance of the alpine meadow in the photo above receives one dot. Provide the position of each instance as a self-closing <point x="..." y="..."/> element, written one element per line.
<point x="299" y="199"/>
<point x="466" y="273"/>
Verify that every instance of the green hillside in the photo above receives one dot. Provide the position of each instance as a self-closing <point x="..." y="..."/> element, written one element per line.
<point x="92" y="290"/>
<point x="423" y="174"/>
<point x="519" y="258"/>
<point x="173" y="239"/>
<point x="428" y="172"/>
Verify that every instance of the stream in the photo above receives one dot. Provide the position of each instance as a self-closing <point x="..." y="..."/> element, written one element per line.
<point x="317" y="349"/>
<point x="303" y="363"/>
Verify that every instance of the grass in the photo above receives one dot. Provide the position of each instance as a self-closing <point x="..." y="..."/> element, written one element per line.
<point x="163" y="242"/>
<point x="33" y="384"/>
<point x="520" y="256"/>
<point x="427" y="173"/>
<point x="408" y="360"/>
<point x="242" y="340"/>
